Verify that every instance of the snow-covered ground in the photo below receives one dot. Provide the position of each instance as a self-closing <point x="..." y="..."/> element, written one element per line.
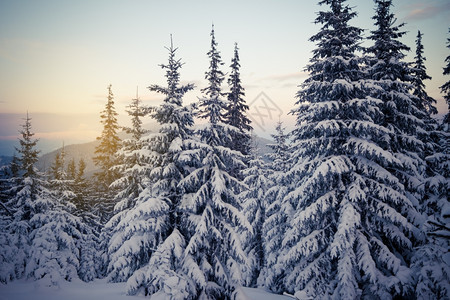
<point x="98" y="289"/>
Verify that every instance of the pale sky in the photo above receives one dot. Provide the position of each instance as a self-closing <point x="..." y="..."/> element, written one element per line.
<point x="57" y="57"/>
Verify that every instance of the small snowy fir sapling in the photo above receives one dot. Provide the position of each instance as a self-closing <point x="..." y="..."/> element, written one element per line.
<point x="280" y="149"/>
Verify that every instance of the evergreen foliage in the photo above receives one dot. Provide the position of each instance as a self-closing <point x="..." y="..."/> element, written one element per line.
<point x="445" y="88"/>
<point x="419" y="75"/>
<point x="351" y="221"/>
<point x="134" y="170"/>
<point x="352" y="204"/>
<point x="212" y="105"/>
<point x="253" y="201"/>
<point x="149" y="245"/>
<point x="71" y="170"/>
<point x="42" y="237"/>
<point x="274" y="226"/>
<point x="214" y="254"/>
<point x="109" y="143"/>
<point x="23" y="190"/>
<point x="280" y="149"/>
<point x="236" y="108"/>
<point x="27" y="151"/>
<point x="106" y="158"/>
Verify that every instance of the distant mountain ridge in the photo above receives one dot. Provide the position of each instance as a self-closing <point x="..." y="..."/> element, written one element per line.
<point x="86" y="151"/>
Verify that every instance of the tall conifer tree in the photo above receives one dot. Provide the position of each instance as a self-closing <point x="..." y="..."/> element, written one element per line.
<point x="25" y="190"/>
<point x="350" y="219"/>
<point x="135" y="171"/>
<point x="214" y="255"/>
<point x="419" y="74"/>
<point x="106" y="158"/>
<point x="109" y="143"/>
<point x="432" y="273"/>
<point x="445" y="88"/>
<point x="156" y="264"/>
<point x="235" y="114"/>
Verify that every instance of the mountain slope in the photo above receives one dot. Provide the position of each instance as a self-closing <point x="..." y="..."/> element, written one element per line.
<point x="87" y="152"/>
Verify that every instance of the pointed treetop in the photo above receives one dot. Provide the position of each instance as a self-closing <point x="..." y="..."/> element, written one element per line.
<point x="419" y="74"/>
<point x="212" y="105"/>
<point x="29" y="155"/>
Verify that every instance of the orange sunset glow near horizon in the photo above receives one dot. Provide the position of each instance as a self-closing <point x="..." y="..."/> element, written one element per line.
<point x="58" y="57"/>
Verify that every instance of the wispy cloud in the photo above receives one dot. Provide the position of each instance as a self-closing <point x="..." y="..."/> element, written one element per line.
<point x="426" y="10"/>
<point x="70" y="135"/>
<point x="126" y="100"/>
<point x="286" y="77"/>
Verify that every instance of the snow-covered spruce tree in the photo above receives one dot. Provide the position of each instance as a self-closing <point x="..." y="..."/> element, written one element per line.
<point x="65" y="217"/>
<point x="430" y="260"/>
<point x="235" y="113"/>
<point x="445" y="89"/>
<point x="403" y="114"/>
<point x="413" y="137"/>
<point x="132" y="165"/>
<point x="85" y="198"/>
<point x="80" y="185"/>
<point x="61" y="186"/>
<point x="90" y="252"/>
<point x="11" y="264"/>
<point x="280" y="149"/>
<point x="274" y="226"/>
<point x="7" y="174"/>
<point x="8" y="253"/>
<point x="14" y="166"/>
<point x="56" y="240"/>
<point x="151" y="242"/>
<point x="56" y="167"/>
<point x="135" y="171"/>
<point x="106" y="158"/>
<point x="350" y="219"/>
<point x="253" y="201"/>
<point x="46" y="236"/>
<point x="432" y="272"/>
<point x="419" y="74"/>
<point x="71" y="170"/>
<point x="214" y="255"/>
<point x="25" y="189"/>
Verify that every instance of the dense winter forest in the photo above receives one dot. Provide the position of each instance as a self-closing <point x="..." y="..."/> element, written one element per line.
<point x="350" y="204"/>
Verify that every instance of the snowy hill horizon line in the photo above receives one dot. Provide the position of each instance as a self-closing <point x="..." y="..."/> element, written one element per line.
<point x="86" y="152"/>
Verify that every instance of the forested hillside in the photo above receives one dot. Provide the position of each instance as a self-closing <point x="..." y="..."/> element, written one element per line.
<point x="350" y="203"/>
